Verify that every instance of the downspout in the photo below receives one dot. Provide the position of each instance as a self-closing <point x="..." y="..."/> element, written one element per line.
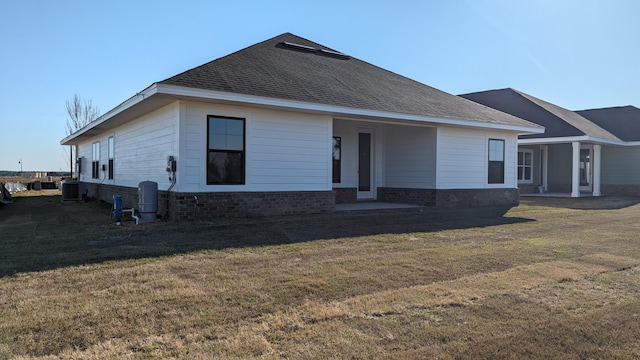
<point x="70" y="162"/>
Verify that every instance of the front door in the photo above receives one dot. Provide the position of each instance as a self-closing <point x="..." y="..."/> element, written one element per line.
<point x="586" y="168"/>
<point x="365" y="164"/>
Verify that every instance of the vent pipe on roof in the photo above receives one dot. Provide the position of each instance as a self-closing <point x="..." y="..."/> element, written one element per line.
<point x="298" y="46"/>
<point x="334" y="53"/>
<point x="311" y="49"/>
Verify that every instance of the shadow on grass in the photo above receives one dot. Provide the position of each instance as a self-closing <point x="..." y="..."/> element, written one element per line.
<point x="42" y="233"/>
<point x="583" y="203"/>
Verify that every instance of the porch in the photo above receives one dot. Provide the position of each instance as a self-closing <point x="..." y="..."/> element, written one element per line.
<point x="561" y="168"/>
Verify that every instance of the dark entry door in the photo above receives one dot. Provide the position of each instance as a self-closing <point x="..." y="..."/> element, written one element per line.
<point x="364" y="165"/>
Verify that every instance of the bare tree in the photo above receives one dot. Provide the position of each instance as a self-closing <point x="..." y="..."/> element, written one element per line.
<point x="79" y="114"/>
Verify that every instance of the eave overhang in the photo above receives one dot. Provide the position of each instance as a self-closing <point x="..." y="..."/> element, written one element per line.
<point x="159" y="95"/>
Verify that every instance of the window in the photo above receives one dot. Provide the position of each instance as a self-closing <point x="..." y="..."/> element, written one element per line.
<point x="525" y="166"/>
<point x="336" y="155"/>
<point x="95" y="160"/>
<point x="496" y="162"/>
<point x="112" y="151"/>
<point x="225" y="153"/>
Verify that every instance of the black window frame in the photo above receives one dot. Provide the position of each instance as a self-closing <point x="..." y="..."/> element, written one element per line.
<point x="111" y="149"/>
<point x="495" y="168"/>
<point x="223" y="150"/>
<point x="336" y="173"/>
<point x="95" y="160"/>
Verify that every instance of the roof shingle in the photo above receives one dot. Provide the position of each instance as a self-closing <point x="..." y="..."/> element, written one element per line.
<point x="558" y="121"/>
<point x="622" y="121"/>
<point x="273" y="69"/>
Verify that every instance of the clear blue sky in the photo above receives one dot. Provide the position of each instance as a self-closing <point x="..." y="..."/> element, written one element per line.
<point x="578" y="54"/>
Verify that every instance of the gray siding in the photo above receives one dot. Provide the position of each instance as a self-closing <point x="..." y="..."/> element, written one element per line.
<point x="560" y="159"/>
<point x="620" y="165"/>
<point x="410" y="157"/>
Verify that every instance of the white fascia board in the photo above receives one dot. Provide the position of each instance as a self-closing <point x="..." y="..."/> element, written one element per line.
<point x="134" y="100"/>
<point x="181" y="91"/>
<point x="570" y="139"/>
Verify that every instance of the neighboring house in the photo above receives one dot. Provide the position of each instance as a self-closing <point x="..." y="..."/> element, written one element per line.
<point x="585" y="152"/>
<point x="620" y="164"/>
<point x="291" y="126"/>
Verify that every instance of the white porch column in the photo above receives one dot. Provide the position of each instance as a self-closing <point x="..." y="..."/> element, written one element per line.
<point x="596" y="169"/>
<point x="544" y="168"/>
<point x="575" y="173"/>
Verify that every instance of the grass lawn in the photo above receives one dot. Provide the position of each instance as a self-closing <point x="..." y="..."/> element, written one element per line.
<point x="551" y="278"/>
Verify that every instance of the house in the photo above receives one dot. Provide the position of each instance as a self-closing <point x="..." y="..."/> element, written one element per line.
<point x="584" y="152"/>
<point x="291" y="126"/>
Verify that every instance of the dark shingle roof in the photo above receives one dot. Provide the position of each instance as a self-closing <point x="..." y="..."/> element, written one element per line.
<point x="273" y="69"/>
<point x="558" y="121"/>
<point x="622" y="121"/>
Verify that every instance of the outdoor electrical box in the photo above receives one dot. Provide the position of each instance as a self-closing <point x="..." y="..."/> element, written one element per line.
<point x="171" y="164"/>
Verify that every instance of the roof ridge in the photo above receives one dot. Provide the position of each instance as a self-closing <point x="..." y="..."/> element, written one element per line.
<point x="609" y="108"/>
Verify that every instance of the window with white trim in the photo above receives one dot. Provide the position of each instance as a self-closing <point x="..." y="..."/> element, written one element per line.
<point x="496" y="162"/>
<point x="525" y="166"/>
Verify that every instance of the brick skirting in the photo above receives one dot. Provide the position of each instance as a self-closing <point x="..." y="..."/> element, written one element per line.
<point x="194" y="206"/>
<point x="611" y="189"/>
<point x="450" y="198"/>
<point x="345" y="195"/>
<point x="529" y="188"/>
<point x="463" y="198"/>
<point x="420" y="197"/>
<point x="198" y="206"/>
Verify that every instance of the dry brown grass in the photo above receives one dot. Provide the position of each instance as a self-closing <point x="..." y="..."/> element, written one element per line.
<point x="552" y="278"/>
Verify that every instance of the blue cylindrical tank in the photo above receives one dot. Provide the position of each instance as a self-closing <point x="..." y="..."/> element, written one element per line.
<point x="148" y="200"/>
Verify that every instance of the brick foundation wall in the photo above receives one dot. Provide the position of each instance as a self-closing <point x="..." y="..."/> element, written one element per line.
<point x="345" y="195"/>
<point x="462" y="198"/>
<point x="420" y="197"/>
<point x="528" y="188"/>
<point x="198" y="206"/>
<point x="454" y="198"/>
<point x="611" y="189"/>
<point x="194" y="206"/>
